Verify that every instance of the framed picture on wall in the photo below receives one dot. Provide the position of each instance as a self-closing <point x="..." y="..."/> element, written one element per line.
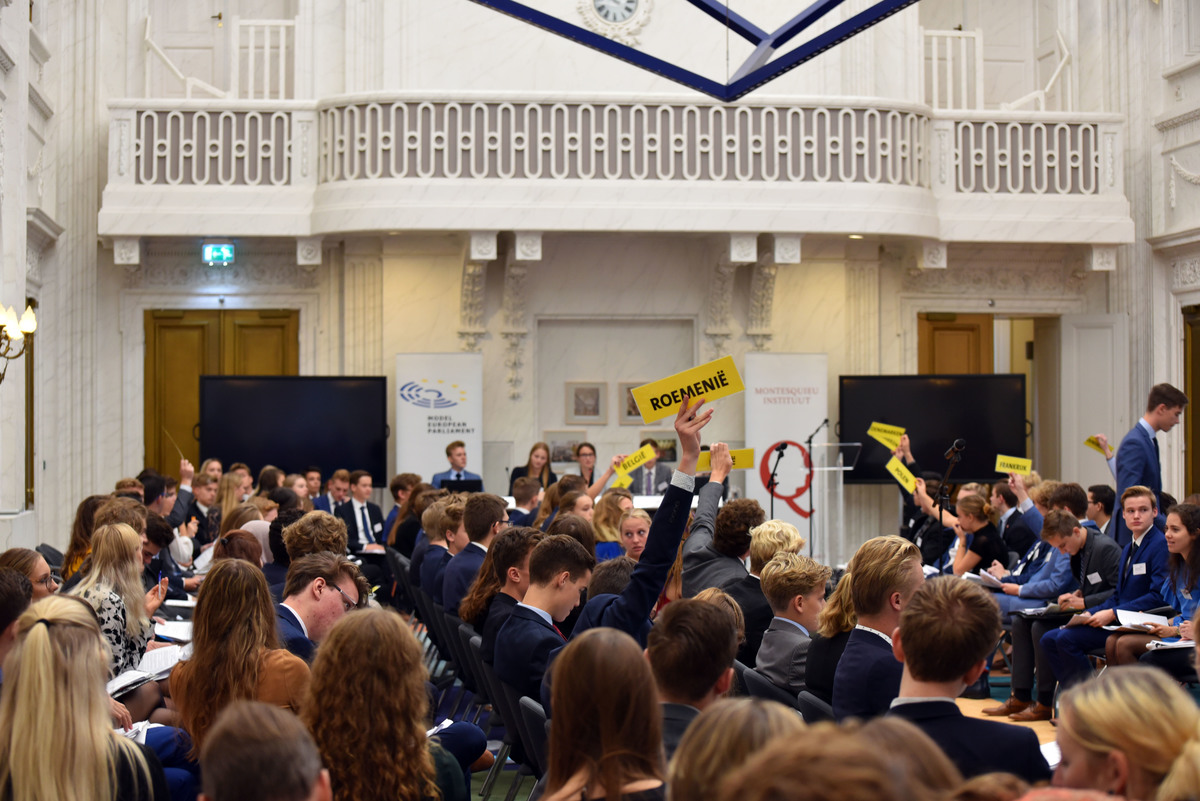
<point x="587" y="403"/>
<point x="668" y="445"/>
<point x="562" y="444"/>
<point x="628" y="408"/>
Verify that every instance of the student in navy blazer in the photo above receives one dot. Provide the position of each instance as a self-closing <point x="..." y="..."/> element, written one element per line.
<point x="1137" y="461"/>
<point x="884" y="573"/>
<point x="559" y="570"/>
<point x="292" y="635"/>
<point x="947" y="633"/>
<point x="1143" y="570"/>
<point x="484" y="516"/>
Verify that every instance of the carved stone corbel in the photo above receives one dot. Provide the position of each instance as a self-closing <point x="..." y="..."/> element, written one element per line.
<point x="743" y="249"/>
<point x="785" y="249"/>
<point x="527" y="246"/>
<point x="470" y="313"/>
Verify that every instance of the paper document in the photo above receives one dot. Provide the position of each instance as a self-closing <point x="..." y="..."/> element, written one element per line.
<point x="1160" y="645"/>
<point x="160" y="661"/>
<point x="1140" y="620"/>
<point x="190" y="603"/>
<point x="178" y="630"/>
<point x="127" y="681"/>
<point x="1052" y="753"/>
<point x="989" y="580"/>
<point x="203" y="562"/>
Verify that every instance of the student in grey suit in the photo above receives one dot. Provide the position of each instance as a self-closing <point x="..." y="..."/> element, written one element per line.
<point x="713" y="552"/>
<point x="795" y="588"/>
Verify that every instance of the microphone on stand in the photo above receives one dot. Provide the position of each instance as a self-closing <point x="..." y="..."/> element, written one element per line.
<point x="781" y="447"/>
<point x="958" y="447"/>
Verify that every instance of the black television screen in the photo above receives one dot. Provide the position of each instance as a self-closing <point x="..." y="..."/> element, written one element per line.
<point x="988" y="411"/>
<point x="293" y="422"/>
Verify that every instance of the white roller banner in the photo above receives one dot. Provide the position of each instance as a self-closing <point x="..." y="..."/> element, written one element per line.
<point x="439" y="399"/>
<point x="787" y="399"/>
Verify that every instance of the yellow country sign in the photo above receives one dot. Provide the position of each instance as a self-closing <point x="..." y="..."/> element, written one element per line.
<point x="1094" y="444"/>
<point x="888" y="435"/>
<point x="622" y="481"/>
<point x="1013" y="464"/>
<point x="902" y="474"/>
<point x="743" y="459"/>
<point x="662" y="398"/>
<point x="637" y="459"/>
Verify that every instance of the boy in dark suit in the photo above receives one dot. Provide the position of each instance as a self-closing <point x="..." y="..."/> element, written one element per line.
<point x="883" y="574"/>
<point x="947" y="632"/>
<point x="484" y="516"/>
<point x="766" y="540"/>
<point x="320" y="589"/>
<point x="1137" y="461"/>
<point x="559" y="570"/>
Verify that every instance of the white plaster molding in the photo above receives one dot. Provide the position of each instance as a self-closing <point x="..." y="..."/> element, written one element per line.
<point x="1185" y="275"/>
<point x="182" y="268"/>
<point x="7" y="62"/>
<point x="762" y="301"/>
<point x="1101" y="258"/>
<point x="41" y="231"/>
<point x="787" y="248"/>
<point x="516" y="318"/>
<point x="933" y="255"/>
<point x="743" y="248"/>
<point x="720" y="305"/>
<point x="528" y="245"/>
<point x="1187" y="175"/>
<point x="623" y="32"/>
<point x="362" y="311"/>
<point x="38" y="48"/>
<point x="39" y="102"/>
<point x="483" y="246"/>
<point x="127" y="250"/>
<point x="1000" y="279"/>
<point x="308" y="251"/>
<point x="470" y="310"/>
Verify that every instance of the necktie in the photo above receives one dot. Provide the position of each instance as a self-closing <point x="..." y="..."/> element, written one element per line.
<point x="649" y="481"/>
<point x="366" y="526"/>
<point x="458" y="476"/>
<point x="556" y="631"/>
<point x="1133" y="549"/>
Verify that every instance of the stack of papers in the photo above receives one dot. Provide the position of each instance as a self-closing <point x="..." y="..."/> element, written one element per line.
<point x="177" y="630"/>
<point x="1158" y="645"/>
<point x="1137" y="622"/>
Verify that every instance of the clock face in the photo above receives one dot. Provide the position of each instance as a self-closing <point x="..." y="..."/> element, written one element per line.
<point x="615" y="11"/>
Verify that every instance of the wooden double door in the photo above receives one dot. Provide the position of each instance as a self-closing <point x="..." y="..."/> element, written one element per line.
<point x="182" y="345"/>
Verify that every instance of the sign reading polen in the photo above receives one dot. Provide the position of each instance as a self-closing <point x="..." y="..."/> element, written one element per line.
<point x="217" y="253"/>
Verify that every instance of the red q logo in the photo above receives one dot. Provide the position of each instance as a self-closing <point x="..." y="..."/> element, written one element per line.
<point x="764" y="471"/>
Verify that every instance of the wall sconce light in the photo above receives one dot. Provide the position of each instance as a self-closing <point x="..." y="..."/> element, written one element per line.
<point x="13" y="332"/>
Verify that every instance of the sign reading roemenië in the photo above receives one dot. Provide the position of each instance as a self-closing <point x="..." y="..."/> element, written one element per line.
<point x="662" y="398"/>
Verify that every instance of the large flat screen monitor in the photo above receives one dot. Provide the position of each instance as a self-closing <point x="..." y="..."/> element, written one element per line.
<point x="988" y="411"/>
<point x="293" y="422"/>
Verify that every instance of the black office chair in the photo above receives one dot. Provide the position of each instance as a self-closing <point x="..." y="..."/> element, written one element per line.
<point x="739" y="680"/>
<point x="813" y="708"/>
<point x="759" y="686"/>
<point x="533" y="716"/>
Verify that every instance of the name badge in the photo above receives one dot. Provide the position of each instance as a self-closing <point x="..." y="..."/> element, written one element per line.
<point x="1187" y="594"/>
<point x="1093" y="578"/>
<point x="1139" y="569"/>
<point x="378" y="527"/>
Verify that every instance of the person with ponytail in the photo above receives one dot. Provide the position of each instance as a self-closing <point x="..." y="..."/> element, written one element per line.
<point x="978" y="541"/>
<point x="56" y="738"/>
<point x="1181" y="590"/>
<point x="1132" y="732"/>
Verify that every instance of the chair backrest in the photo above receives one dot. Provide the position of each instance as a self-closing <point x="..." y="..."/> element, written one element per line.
<point x="515" y="718"/>
<point x="466" y="670"/>
<point x="813" y="708"/>
<point x="52" y="555"/>
<point x="534" y="719"/>
<point x="760" y="686"/>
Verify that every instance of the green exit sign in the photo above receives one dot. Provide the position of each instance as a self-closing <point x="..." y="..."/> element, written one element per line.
<point x="217" y="253"/>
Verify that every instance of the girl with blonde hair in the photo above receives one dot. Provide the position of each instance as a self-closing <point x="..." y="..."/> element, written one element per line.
<point x="235" y="650"/>
<point x="537" y="467"/>
<point x="239" y="516"/>
<point x="113" y="587"/>
<point x="721" y="738"/>
<point x="56" y="739"/>
<point x="367" y="716"/>
<point x="1132" y="732"/>
<point x="634" y="528"/>
<point x="606" y="520"/>
<point x="229" y="497"/>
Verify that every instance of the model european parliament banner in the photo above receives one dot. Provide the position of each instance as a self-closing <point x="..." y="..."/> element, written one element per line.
<point x="787" y="399"/>
<point x="439" y="399"/>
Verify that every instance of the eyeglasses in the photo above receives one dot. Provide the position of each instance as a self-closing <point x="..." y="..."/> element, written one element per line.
<point x="49" y="582"/>
<point x="346" y="602"/>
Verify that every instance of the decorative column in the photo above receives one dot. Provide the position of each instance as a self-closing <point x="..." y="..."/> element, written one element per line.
<point x="743" y="249"/>
<point x="785" y="250"/>
<point x="362" y="316"/>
